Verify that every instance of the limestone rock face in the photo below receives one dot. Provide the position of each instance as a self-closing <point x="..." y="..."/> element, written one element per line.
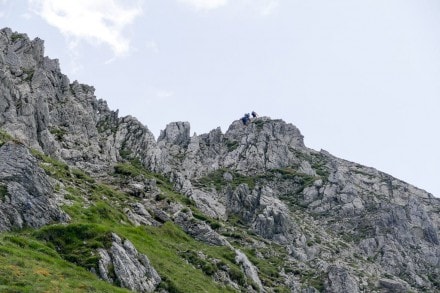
<point x="27" y="196"/>
<point x="41" y="108"/>
<point x="339" y="280"/>
<point x="122" y="264"/>
<point x="262" y="174"/>
<point x="199" y="230"/>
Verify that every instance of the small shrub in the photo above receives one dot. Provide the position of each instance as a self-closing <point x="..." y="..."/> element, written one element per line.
<point x="82" y="175"/>
<point x="259" y="124"/>
<point x="29" y="73"/>
<point x="237" y="275"/>
<point x="127" y="169"/>
<point x="215" y="225"/>
<point x="16" y="36"/>
<point x="231" y="145"/>
<point x="77" y="243"/>
<point x="4" y="137"/>
<point x="3" y="192"/>
<point x="58" y="133"/>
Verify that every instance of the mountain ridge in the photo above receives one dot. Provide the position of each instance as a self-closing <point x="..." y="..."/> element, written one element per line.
<point x="307" y="221"/>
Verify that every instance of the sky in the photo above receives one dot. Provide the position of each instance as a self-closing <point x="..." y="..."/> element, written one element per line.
<point x="360" y="79"/>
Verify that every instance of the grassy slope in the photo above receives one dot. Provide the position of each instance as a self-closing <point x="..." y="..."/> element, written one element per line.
<point x="27" y="265"/>
<point x="57" y="258"/>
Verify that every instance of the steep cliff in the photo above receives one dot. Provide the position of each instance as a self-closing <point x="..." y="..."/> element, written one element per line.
<point x="251" y="210"/>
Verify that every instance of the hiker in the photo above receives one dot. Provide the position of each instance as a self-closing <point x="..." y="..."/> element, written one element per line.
<point x="254" y="114"/>
<point x="246" y="118"/>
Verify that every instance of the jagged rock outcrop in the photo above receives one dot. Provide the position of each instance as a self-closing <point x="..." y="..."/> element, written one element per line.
<point x="339" y="280"/>
<point x="198" y="229"/>
<point x="392" y="224"/>
<point x="26" y="196"/>
<point x="40" y="107"/>
<point x="123" y="265"/>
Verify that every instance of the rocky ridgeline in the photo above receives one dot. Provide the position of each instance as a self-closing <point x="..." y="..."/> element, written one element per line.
<point x="356" y="228"/>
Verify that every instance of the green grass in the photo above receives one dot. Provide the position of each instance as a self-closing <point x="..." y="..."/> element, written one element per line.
<point x="215" y="179"/>
<point x="166" y="247"/>
<point x="28" y="265"/>
<point x="57" y="132"/>
<point x="259" y="124"/>
<point x="77" y="243"/>
<point x="4" y="137"/>
<point x="29" y="73"/>
<point x="232" y="145"/>
<point x="127" y="169"/>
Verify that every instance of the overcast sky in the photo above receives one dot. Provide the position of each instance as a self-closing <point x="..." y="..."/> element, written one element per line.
<point x="360" y="79"/>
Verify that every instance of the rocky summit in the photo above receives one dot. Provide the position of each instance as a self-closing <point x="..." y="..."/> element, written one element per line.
<point x="92" y="202"/>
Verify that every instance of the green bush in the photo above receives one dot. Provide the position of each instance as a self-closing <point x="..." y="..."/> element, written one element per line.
<point x="16" y="36"/>
<point x="77" y="243"/>
<point x="127" y="169"/>
<point x="3" y="191"/>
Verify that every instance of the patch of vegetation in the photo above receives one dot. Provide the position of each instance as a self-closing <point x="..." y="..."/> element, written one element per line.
<point x="259" y="124"/>
<point x="127" y="169"/>
<point x="29" y="73"/>
<point x="4" y="137"/>
<point x="269" y="265"/>
<point x="434" y="278"/>
<point x="81" y="175"/>
<point x="215" y="179"/>
<point x="312" y="279"/>
<point x="28" y="265"/>
<point x="3" y="191"/>
<point x="288" y="173"/>
<point x="165" y="246"/>
<point x="16" y="36"/>
<point x="199" y="215"/>
<point x="125" y="154"/>
<point x="77" y="243"/>
<point x="232" y="145"/>
<point x="203" y="263"/>
<point x="50" y="161"/>
<point x="105" y="124"/>
<point x="58" y="133"/>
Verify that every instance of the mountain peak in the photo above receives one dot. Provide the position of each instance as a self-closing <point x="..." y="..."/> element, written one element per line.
<point x="249" y="210"/>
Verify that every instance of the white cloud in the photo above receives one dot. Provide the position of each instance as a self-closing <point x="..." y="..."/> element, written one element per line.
<point x="205" y="4"/>
<point x="97" y="21"/>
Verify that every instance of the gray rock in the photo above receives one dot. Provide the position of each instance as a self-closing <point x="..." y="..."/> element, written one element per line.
<point x="198" y="229"/>
<point x="124" y="266"/>
<point x="175" y="133"/>
<point x="392" y="286"/>
<point x="249" y="269"/>
<point x="41" y="109"/>
<point x="339" y="280"/>
<point x="27" y="200"/>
